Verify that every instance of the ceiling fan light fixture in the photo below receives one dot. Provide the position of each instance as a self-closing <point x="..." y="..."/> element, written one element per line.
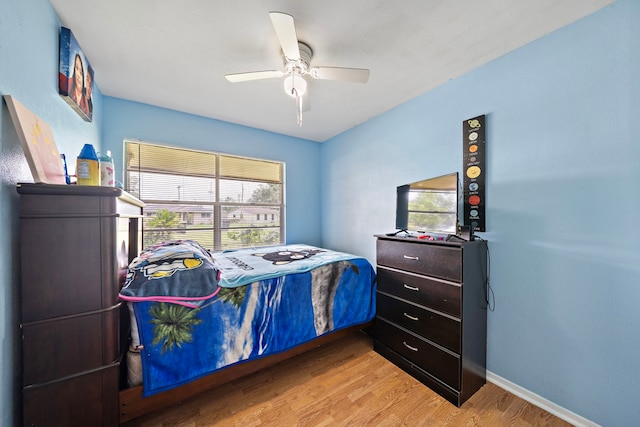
<point x="295" y="85"/>
<point x="296" y="57"/>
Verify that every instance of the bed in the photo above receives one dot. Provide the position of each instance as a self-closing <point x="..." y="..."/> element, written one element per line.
<point x="200" y="319"/>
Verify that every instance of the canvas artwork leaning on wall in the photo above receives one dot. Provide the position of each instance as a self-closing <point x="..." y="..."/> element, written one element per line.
<point x="75" y="76"/>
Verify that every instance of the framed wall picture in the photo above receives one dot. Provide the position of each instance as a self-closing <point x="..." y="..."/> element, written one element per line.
<point x="38" y="144"/>
<point x="75" y="76"/>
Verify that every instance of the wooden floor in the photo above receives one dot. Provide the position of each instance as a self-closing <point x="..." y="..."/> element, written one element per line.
<point x="344" y="383"/>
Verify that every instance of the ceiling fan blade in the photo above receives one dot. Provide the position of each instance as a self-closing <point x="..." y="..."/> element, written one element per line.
<point x="356" y="75"/>
<point x="253" y="75"/>
<point x="286" y="32"/>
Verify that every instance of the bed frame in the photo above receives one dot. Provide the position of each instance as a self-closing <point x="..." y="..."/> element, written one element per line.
<point x="132" y="405"/>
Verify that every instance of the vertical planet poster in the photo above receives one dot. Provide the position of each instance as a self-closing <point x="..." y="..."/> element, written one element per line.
<point x="474" y="172"/>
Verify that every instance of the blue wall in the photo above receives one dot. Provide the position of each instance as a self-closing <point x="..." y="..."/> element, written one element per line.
<point x="131" y="120"/>
<point x="29" y="32"/>
<point x="562" y="162"/>
<point x="563" y="167"/>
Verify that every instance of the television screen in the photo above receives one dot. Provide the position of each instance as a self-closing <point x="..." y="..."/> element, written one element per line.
<point x="430" y="205"/>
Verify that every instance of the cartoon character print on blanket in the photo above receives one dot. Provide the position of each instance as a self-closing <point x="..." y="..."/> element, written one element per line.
<point x="166" y="268"/>
<point x="177" y="271"/>
<point x="285" y="257"/>
<point x="243" y="266"/>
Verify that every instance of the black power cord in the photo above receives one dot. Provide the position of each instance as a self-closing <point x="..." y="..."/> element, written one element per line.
<point x="490" y="297"/>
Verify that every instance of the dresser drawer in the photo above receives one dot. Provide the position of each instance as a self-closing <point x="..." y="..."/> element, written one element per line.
<point x="440" y="363"/>
<point x="421" y="375"/>
<point x="444" y="297"/>
<point x="418" y="257"/>
<point x="435" y="327"/>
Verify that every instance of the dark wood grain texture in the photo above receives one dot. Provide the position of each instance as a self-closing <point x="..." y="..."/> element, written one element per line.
<point x="431" y="312"/>
<point x="75" y="243"/>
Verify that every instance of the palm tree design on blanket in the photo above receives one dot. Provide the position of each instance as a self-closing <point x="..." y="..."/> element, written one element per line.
<point x="174" y="324"/>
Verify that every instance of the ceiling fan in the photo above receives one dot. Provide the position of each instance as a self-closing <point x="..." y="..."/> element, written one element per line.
<point x="297" y="64"/>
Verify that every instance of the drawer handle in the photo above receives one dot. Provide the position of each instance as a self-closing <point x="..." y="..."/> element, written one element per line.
<point x="415" y="258"/>
<point x="411" y="288"/>
<point x="408" y="316"/>
<point x="409" y="347"/>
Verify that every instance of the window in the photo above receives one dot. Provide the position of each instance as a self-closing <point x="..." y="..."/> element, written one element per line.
<point x="205" y="196"/>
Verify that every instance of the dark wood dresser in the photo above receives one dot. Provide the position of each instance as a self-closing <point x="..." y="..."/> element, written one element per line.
<point x="75" y="245"/>
<point x="431" y="318"/>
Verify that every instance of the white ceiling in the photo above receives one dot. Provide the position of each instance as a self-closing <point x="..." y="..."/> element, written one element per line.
<point x="174" y="54"/>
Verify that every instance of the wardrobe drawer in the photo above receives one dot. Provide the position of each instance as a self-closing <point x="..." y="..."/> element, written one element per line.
<point x="64" y="347"/>
<point x="440" y="363"/>
<point x="444" y="297"/>
<point x="418" y="257"/>
<point x="435" y="327"/>
<point x="89" y="399"/>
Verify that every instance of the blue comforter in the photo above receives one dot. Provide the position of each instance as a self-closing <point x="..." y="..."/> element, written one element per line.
<point x="262" y="317"/>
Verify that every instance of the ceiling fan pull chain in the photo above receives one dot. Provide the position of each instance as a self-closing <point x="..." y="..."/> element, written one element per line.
<point x="299" y="109"/>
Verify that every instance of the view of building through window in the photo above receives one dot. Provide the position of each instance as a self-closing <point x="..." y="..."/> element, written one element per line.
<point x="220" y="201"/>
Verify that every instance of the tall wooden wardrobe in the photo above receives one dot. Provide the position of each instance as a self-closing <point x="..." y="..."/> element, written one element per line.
<point x="75" y="245"/>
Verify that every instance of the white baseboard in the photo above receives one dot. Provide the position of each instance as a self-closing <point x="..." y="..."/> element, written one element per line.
<point x="540" y="402"/>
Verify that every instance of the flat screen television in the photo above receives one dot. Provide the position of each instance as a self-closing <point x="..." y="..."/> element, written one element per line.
<point x="430" y="205"/>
